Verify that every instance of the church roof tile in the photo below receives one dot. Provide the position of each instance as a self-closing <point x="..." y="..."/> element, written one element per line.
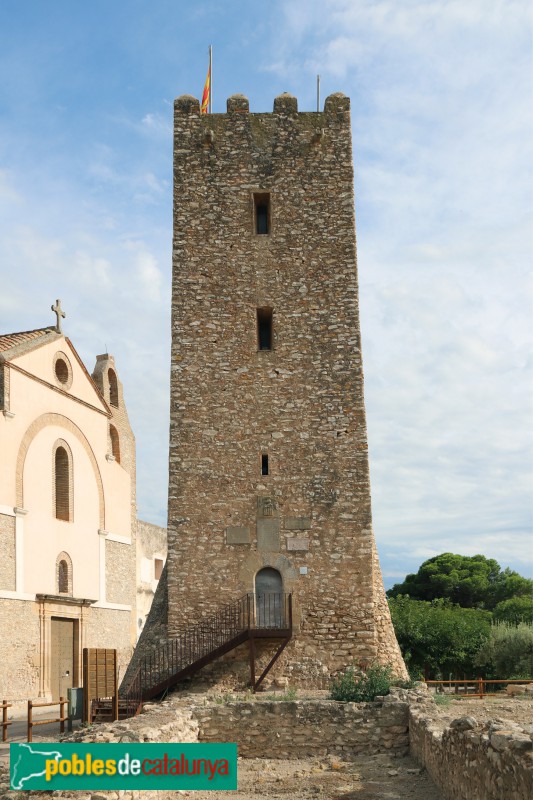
<point x="13" y="345"/>
<point x="9" y="341"/>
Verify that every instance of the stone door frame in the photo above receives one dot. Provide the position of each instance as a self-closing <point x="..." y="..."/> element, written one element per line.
<point x="63" y="607"/>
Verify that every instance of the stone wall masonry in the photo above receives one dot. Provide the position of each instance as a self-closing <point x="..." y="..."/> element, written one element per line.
<point x="470" y="761"/>
<point x="7" y="552"/>
<point x="107" y="627"/>
<point x="19" y="662"/>
<point x="155" y="631"/>
<point x="158" y="722"/>
<point x="120" y="567"/>
<point x="307" y="728"/>
<point x="299" y="402"/>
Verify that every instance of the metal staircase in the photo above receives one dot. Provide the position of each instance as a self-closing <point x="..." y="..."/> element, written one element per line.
<point x="253" y="616"/>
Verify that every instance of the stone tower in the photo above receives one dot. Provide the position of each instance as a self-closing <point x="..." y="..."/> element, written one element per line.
<point x="269" y="478"/>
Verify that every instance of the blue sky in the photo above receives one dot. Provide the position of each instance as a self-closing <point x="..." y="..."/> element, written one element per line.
<point x="441" y="112"/>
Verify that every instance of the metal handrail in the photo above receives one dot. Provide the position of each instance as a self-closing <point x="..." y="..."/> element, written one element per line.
<point x="264" y="611"/>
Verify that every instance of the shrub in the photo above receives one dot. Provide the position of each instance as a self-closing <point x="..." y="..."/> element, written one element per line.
<point x="508" y="651"/>
<point x="356" y="686"/>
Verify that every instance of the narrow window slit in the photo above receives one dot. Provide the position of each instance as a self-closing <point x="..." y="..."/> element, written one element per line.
<point x="264" y="328"/>
<point x="264" y="464"/>
<point x="262" y="213"/>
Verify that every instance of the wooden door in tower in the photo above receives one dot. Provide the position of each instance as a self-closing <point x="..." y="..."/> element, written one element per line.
<point x="62" y="657"/>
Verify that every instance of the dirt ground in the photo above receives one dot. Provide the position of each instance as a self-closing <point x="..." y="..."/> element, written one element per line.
<point x="368" y="778"/>
<point x="517" y="709"/>
<point x="377" y="777"/>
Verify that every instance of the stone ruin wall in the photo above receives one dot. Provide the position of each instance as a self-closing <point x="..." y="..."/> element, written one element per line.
<point x="300" y="402"/>
<point x="465" y="760"/>
<point x="307" y="728"/>
<point x="471" y="761"/>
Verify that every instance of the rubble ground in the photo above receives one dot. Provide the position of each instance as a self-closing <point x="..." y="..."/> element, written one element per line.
<point x="377" y="777"/>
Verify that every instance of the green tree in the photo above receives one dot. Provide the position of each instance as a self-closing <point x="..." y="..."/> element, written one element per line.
<point x="508" y="651"/>
<point x="515" y="610"/>
<point x="438" y="638"/>
<point x="469" y="581"/>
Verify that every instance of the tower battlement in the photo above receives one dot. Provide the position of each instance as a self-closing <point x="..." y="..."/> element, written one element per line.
<point x="284" y="104"/>
<point x="238" y="131"/>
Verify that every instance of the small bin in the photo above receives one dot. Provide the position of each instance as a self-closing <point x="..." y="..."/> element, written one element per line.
<point x="75" y="705"/>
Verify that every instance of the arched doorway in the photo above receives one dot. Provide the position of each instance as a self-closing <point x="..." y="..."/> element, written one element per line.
<point x="269" y="598"/>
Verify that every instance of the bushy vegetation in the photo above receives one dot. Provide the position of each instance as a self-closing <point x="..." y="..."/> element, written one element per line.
<point x="508" y="652"/>
<point x="438" y="638"/>
<point x="443" y="617"/>
<point x="358" y="686"/>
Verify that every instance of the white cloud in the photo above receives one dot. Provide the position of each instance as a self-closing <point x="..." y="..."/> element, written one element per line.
<point x="157" y="125"/>
<point x="149" y="275"/>
<point x="92" y="271"/>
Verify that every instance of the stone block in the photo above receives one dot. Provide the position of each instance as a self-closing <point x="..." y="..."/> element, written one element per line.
<point x="297" y="523"/>
<point x="236" y="534"/>
<point x="297" y="544"/>
<point x="268" y="535"/>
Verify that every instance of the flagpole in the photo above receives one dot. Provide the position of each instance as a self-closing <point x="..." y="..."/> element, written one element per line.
<point x="211" y="79"/>
<point x="318" y="92"/>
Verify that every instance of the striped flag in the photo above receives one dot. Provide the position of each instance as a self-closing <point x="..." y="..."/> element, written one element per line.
<point x="205" y="97"/>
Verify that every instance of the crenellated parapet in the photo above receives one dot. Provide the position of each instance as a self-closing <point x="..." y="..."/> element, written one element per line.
<point x="284" y="104"/>
<point x="309" y="127"/>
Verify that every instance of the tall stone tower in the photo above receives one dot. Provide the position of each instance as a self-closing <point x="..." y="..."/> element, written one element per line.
<point x="269" y="481"/>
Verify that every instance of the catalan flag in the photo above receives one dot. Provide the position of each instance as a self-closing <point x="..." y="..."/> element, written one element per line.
<point x="205" y="97"/>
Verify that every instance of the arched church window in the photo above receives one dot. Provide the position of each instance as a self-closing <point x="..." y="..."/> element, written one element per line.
<point x="64" y="574"/>
<point x="115" y="443"/>
<point x="63" y="489"/>
<point x="62" y="577"/>
<point x="113" y="387"/>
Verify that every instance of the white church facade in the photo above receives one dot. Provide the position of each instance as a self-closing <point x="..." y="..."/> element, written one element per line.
<point x="70" y="556"/>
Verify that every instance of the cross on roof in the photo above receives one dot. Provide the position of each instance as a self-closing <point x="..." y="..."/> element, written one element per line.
<point x="59" y="313"/>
